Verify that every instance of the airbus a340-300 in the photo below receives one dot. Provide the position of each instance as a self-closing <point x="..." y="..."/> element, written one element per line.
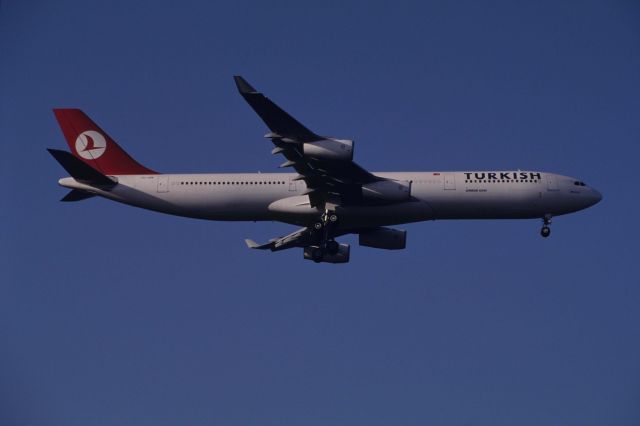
<point x="329" y="196"/>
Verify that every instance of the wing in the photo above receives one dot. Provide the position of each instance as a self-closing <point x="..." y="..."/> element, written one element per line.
<point x="329" y="178"/>
<point x="303" y="237"/>
<point x="300" y="238"/>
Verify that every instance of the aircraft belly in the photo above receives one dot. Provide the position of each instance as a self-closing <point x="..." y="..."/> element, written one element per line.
<point x="483" y="203"/>
<point x="296" y="210"/>
<point x="196" y="203"/>
<point x="387" y="215"/>
<point x="223" y="205"/>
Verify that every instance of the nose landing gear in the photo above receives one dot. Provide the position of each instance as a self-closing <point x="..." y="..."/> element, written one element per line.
<point x="546" y="231"/>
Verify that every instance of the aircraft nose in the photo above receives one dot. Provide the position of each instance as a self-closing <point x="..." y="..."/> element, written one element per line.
<point x="596" y="196"/>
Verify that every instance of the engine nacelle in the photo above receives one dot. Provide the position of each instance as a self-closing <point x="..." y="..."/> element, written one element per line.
<point x="387" y="191"/>
<point x="329" y="149"/>
<point x="384" y="238"/>
<point x="342" y="256"/>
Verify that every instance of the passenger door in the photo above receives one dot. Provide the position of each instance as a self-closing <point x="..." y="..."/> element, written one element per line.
<point x="163" y="183"/>
<point x="449" y="181"/>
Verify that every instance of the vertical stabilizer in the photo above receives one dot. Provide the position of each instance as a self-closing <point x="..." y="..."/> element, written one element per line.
<point x="89" y="143"/>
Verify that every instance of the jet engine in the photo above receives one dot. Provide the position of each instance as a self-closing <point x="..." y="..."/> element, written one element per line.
<point x="384" y="238"/>
<point x="387" y="191"/>
<point x="317" y="255"/>
<point x="329" y="149"/>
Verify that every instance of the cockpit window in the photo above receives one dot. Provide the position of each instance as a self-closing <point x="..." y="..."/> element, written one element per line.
<point x="577" y="183"/>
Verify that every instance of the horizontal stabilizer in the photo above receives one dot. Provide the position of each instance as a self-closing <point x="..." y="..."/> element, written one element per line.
<point x="77" y="195"/>
<point x="79" y="170"/>
<point x="253" y="245"/>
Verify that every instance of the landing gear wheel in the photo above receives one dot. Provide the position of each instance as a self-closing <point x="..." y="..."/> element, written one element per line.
<point x="317" y="254"/>
<point x="545" y="231"/>
<point x="332" y="247"/>
<point x="328" y="222"/>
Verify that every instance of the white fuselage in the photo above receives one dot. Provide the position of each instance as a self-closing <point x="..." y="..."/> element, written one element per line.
<point x="276" y="196"/>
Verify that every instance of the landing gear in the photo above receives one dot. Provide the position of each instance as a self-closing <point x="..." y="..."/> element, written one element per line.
<point x="317" y="254"/>
<point x="546" y="231"/>
<point x="327" y="219"/>
<point x="327" y="244"/>
<point x="332" y="247"/>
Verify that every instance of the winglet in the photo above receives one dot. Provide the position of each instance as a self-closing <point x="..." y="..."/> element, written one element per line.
<point x="243" y="86"/>
<point x="253" y="245"/>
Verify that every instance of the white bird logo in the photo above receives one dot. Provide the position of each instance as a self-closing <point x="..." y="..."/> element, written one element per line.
<point x="90" y="145"/>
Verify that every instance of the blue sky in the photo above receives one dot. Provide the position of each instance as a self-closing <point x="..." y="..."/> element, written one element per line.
<point x="113" y="315"/>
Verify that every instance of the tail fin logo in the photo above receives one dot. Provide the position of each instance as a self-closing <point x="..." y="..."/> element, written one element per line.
<point x="90" y="145"/>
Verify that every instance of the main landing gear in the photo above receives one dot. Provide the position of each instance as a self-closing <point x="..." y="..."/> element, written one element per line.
<point x="332" y="247"/>
<point x="546" y="231"/>
<point x="328" y="245"/>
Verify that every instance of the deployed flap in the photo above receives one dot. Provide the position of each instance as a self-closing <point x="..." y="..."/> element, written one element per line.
<point x="276" y="119"/>
<point x="79" y="170"/>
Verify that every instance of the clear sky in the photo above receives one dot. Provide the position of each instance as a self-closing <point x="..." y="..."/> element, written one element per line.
<point x="115" y="315"/>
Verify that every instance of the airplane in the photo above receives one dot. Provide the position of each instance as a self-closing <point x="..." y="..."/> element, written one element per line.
<point x="329" y="196"/>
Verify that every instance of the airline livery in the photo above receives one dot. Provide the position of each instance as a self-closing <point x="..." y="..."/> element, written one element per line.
<point x="329" y="196"/>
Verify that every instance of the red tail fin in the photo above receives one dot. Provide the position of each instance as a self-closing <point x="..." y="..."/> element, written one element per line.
<point x="93" y="145"/>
